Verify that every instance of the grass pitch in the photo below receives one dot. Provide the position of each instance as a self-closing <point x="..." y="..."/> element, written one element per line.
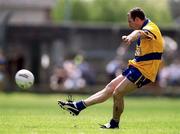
<point x="22" y="113"/>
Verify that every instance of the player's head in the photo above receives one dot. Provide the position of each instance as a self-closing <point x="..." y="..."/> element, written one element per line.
<point x="136" y="18"/>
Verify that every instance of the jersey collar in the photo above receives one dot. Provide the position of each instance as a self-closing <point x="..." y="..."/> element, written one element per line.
<point x="145" y="23"/>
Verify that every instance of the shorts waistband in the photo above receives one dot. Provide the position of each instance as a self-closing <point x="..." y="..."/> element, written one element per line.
<point x="150" y="56"/>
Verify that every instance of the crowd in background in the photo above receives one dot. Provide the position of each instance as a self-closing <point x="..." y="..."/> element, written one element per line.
<point x="73" y="74"/>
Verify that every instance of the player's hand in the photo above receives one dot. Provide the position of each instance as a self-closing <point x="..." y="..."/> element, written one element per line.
<point x="127" y="39"/>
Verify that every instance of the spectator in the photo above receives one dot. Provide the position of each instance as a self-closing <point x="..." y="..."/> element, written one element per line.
<point x="74" y="79"/>
<point x="2" y="71"/>
<point x="170" y="75"/>
<point x="114" y="67"/>
<point x="88" y="73"/>
<point x="58" y="77"/>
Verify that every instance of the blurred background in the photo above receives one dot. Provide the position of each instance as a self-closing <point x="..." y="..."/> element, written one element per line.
<point x="75" y="45"/>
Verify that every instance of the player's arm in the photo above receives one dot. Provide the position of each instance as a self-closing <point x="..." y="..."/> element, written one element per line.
<point x="135" y="35"/>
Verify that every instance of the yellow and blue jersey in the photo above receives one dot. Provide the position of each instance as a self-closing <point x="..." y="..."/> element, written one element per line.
<point x="148" y="51"/>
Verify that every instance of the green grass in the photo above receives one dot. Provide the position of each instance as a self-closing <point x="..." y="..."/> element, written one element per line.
<point x="22" y="113"/>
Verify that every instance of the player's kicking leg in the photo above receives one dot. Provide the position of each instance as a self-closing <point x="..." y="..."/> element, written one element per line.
<point x="75" y="107"/>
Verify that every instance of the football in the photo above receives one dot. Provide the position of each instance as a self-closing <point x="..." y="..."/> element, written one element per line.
<point x="24" y="79"/>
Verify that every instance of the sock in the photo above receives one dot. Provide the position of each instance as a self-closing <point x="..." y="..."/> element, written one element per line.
<point x="114" y="123"/>
<point x="80" y="105"/>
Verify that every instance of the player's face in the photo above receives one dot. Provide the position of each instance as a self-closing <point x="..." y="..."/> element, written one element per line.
<point x="132" y="23"/>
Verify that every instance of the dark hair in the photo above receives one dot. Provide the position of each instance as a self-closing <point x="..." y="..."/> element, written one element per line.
<point x="137" y="12"/>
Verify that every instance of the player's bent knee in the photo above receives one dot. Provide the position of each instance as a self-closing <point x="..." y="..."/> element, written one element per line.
<point x="118" y="93"/>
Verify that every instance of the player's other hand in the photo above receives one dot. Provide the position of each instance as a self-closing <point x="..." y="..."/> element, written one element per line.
<point x="127" y="39"/>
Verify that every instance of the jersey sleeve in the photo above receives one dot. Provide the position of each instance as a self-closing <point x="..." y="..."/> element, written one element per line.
<point x="150" y="32"/>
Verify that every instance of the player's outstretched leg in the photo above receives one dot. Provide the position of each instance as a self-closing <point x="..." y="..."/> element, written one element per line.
<point x="73" y="108"/>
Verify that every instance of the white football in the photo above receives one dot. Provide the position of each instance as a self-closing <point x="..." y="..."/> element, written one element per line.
<point x="24" y="79"/>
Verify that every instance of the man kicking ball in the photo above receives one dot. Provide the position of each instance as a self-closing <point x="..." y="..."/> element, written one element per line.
<point x="140" y="71"/>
